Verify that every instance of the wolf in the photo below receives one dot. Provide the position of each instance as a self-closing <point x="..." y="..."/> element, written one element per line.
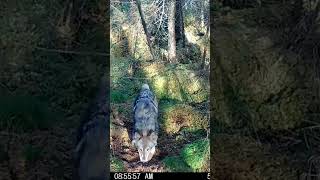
<point x="146" y="126"/>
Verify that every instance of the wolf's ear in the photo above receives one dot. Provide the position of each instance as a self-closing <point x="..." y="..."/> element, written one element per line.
<point x="136" y="137"/>
<point x="153" y="136"/>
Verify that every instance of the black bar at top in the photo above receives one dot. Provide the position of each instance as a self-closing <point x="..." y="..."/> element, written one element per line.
<point x="157" y="176"/>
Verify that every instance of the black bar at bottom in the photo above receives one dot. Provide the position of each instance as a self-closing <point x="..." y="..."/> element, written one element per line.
<point x="156" y="176"/>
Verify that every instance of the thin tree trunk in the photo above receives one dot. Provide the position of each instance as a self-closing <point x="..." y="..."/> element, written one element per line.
<point x="203" y="64"/>
<point x="180" y="37"/>
<point x="202" y="14"/>
<point x="172" y="33"/>
<point x="135" y="45"/>
<point x="145" y="27"/>
<point x="182" y="26"/>
<point x="178" y="22"/>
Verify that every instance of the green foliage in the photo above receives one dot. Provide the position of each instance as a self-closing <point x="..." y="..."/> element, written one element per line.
<point x="118" y="96"/>
<point x="193" y="157"/>
<point x="25" y="113"/>
<point x="176" y="164"/>
<point x="32" y="153"/>
<point x="116" y="165"/>
<point x="197" y="154"/>
<point x="122" y="87"/>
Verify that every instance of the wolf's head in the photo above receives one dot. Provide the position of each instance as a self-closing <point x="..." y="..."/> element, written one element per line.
<point x="146" y="145"/>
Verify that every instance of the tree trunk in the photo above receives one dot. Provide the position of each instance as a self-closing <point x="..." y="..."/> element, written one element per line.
<point x="203" y="64"/>
<point x="145" y="27"/>
<point x="202" y="14"/>
<point x="180" y="37"/>
<point x="182" y="27"/>
<point x="172" y="33"/>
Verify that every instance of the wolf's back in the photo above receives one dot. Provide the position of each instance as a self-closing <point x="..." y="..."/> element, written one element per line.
<point x="145" y="86"/>
<point x="146" y="111"/>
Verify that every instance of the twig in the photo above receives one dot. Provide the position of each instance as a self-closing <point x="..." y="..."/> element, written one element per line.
<point x="125" y="77"/>
<point x="72" y="52"/>
<point x="7" y="88"/>
<point x="65" y="51"/>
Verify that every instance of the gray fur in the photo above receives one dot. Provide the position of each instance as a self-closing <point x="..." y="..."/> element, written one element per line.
<point x="146" y="111"/>
<point x="146" y="127"/>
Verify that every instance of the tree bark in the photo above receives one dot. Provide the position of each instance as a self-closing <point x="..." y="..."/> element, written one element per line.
<point x="182" y="27"/>
<point x="172" y="33"/>
<point x="180" y="37"/>
<point x="203" y="64"/>
<point x="144" y="25"/>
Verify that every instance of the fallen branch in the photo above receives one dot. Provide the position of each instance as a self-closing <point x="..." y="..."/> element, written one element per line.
<point x="71" y="52"/>
<point x="66" y="51"/>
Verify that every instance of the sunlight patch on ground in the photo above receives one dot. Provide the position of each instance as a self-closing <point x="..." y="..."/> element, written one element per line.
<point x="180" y="83"/>
<point x="159" y="84"/>
<point x="153" y="69"/>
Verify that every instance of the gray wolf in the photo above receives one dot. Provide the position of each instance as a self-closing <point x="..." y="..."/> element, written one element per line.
<point x="146" y="127"/>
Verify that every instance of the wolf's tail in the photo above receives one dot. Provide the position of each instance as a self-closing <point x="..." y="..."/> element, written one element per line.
<point x="145" y="86"/>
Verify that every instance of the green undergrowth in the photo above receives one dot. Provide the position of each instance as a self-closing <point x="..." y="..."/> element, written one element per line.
<point x="194" y="157"/>
<point x="116" y="165"/>
<point x="176" y="164"/>
<point x="124" y="82"/>
<point x="197" y="155"/>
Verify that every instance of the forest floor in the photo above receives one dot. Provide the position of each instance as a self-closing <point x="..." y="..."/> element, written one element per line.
<point x="173" y="113"/>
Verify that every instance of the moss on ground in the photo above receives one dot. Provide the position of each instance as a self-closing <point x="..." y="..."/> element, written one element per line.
<point x="180" y="82"/>
<point x="194" y="157"/>
<point x="116" y="165"/>
<point x="197" y="155"/>
<point x="176" y="164"/>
